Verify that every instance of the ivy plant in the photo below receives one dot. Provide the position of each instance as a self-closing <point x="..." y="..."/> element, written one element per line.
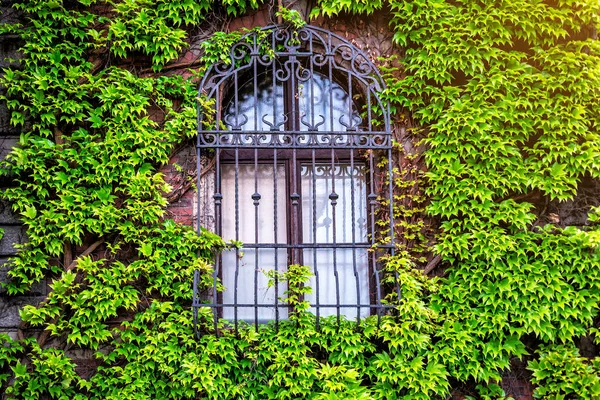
<point x="505" y="96"/>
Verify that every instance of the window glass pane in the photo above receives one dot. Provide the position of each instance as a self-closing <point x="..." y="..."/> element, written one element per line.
<point x="352" y="264"/>
<point x="260" y="113"/>
<point x="347" y="280"/>
<point x="351" y="188"/>
<point x="271" y="229"/>
<point x="325" y="105"/>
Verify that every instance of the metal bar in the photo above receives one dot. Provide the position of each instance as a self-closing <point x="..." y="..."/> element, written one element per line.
<point x="311" y="99"/>
<point x="391" y="211"/>
<point x="236" y="92"/>
<point x="352" y="206"/>
<point x="333" y="197"/>
<point x="270" y="305"/>
<point x="275" y="131"/>
<point x="369" y="116"/>
<point x="311" y="245"/>
<point x="218" y="196"/>
<point x="294" y="92"/>
<point x="328" y="132"/>
<point x="296" y="139"/>
<point x="237" y="237"/>
<point x="255" y="89"/>
<point x="372" y="210"/>
<point x="256" y="198"/>
<point x="353" y="227"/>
<point x="295" y="197"/>
<point x="256" y="195"/>
<point x="330" y="76"/>
<point x="314" y="235"/>
<point x="275" y="232"/>
<point x="322" y="146"/>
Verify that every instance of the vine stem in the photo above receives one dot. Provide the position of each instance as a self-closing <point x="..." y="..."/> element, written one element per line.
<point x="432" y="264"/>
<point x="177" y="193"/>
<point x="85" y="253"/>
<point x="44" y="335"/>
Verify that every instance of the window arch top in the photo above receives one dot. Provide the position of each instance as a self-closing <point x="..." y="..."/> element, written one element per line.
<point x="312" y="86"/>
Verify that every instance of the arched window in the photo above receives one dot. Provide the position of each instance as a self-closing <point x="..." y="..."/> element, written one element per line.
<point x="295" y="125"/>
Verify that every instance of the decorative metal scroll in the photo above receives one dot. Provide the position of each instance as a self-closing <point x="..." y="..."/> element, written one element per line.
<point x="295" y="122"/>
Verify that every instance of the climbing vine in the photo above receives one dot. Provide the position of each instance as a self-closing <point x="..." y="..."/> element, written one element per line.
<point x="505" y="96"/>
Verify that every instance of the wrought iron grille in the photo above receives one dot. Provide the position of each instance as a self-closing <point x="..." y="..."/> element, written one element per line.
<point x="295" y="125"/>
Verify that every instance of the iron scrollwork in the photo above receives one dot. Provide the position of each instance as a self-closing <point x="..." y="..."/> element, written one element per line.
<point x="297" y="118"/>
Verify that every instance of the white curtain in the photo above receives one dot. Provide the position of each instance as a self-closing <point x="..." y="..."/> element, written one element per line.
<point x="248" y="270"/>
<point x="351" y="264"/>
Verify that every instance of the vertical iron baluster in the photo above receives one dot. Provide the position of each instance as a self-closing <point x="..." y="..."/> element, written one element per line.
<point x="352" y="203"/>
<point x="353" y="226"/>
<point x="295" y="197"/>
<point x="276" y="250"/>
<point x="330" y="83"/>
<point x="293" y="93"/>
<point x="274" y="89"/>
<point x="256" y="198"/>
<point x="314" y="133"/>
<point x="311" y="99"/>
<point x="369" y="118"/>
<point x="237" y="238"/>
<point x="217" y="199"/>
<point x="255" y="85"/>
<point x="314" y="235"/>
<point x="275" y="131"/>
<point x="333" y="197"/>
<point x="344" y="219"/>
<point x="372" y="204"/>
<point x="388" y="130"/>
<point x="237" y="229"/>
<point x="256" y="195"/>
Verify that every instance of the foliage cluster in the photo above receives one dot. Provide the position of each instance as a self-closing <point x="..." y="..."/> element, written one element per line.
<point x="507" y="94"/>
<point x="561" y="372"/>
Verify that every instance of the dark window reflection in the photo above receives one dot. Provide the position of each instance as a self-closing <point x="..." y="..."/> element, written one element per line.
<point x="323" y="106"/>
